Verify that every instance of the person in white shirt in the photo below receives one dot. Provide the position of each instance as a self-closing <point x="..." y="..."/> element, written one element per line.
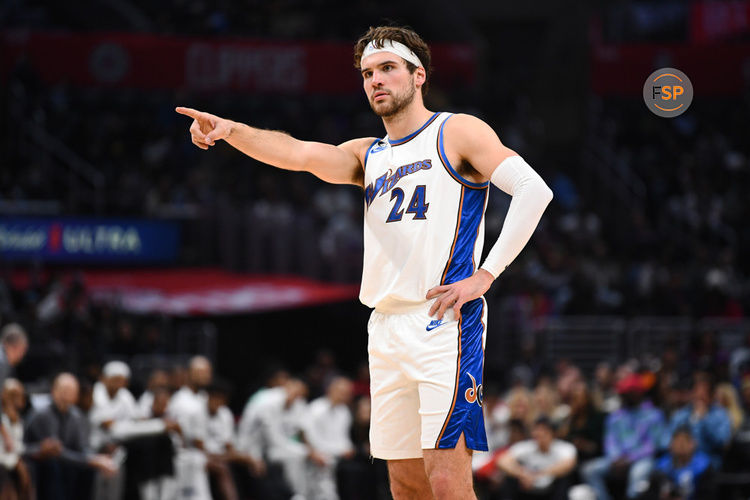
<point x="249" y="438"/>
<point x="15" y="481"/>
<point x="116" y="419"/>
<point x="540" y="465"/>
<point x="219" y="437"/>
<point x="327" y="431"/>
<point x="115" y="416"/>
<point x="280" y="417"/>
<point x="189" y="407"/>
<point x="159" y="379"/>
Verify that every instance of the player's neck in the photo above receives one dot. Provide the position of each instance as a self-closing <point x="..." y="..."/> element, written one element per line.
<point x="407" y="121"/>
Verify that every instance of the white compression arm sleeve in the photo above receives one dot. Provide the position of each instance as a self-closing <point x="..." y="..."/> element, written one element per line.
<point x="530" y="197"/>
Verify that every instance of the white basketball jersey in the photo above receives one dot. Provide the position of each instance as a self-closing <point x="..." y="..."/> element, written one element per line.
<point x="424" y="223"/>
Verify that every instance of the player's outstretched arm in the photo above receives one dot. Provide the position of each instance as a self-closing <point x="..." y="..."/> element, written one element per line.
<point x="340" y="164"/>
<point x="470" y="140"/>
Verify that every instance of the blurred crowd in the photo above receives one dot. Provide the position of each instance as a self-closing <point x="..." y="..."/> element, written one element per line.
<point x="93" y="439"/>
<point x="671" y="428"/>
<point x="648" y="219"/>
<point x="637" y="430"/>
<point x="275" y="19"/>
<point x="647" y="216"/>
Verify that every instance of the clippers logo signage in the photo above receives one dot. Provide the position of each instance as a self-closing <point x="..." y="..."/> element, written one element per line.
<point x="88" y="240"/>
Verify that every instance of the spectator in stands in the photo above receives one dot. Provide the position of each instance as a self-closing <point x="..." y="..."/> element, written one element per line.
<point x="603" y="393"/>
<point x="546" y="403"/>
<point x="280" y="415"/>
<point x="584" y="427"/>
<point x="327" y="428"/>
<point x="161" y="473"/>
<point x="568" y="378"/>
<point x="709" y="422"/>
<point x="631" y="437"/>
<point x="667" y="375"/>
<point x="745" y="393"/>
<point x="677" y="396"/>
<point x="684" y="473"/>
<point x="158" y="408"/>
<point x="540" y="465"/>
<point x="116" y="420"/>
<point x="739" y="361"/>
<point x="112" y="402"/>
<point x="249" y="437"/>
<point x="219" y="441"/>
<point x="57" y="444"/>
<point x="189" y="407"/>
<point x="178" y="377"/>
<point x="14" y="344"/>
<point x="15" y="481"/>
<point x="189" y="404"/>
<point x="727" y="398"/>
<point x="321" y="372"/>
<point x="486" y="470"/>
<point x="159" y="379"/>
<point x="517" y="406"/>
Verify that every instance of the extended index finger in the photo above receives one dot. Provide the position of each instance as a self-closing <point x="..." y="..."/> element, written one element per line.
<point x="192" y="113"/>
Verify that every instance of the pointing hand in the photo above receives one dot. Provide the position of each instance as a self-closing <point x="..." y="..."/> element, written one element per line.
<point x="206" y="128"/>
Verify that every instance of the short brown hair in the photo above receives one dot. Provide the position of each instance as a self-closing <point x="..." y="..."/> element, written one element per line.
<point x="404" y="35"/>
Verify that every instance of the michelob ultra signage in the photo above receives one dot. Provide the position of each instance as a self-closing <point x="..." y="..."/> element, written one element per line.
<point x="84" y="240"/>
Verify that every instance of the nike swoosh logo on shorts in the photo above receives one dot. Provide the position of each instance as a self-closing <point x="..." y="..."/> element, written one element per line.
<point x="434" y="324"/>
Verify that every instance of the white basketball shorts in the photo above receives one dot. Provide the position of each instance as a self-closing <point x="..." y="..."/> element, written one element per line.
<point x="426" y="380"/>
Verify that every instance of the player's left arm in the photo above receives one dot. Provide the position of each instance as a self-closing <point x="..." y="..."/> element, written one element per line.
<point x="471" y="141"/>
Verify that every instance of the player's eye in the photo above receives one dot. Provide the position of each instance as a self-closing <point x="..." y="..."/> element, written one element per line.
<point x="387" y="67"/>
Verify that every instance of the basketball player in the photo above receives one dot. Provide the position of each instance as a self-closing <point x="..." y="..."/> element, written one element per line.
<point x="425" y="188"/>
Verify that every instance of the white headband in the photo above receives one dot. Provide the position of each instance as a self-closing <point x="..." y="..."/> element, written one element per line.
<point x="393" y="47"/>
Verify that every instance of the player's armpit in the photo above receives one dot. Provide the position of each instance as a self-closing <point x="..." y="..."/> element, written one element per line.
<point x="342" y="164"/>
<point x="476" y="143"/>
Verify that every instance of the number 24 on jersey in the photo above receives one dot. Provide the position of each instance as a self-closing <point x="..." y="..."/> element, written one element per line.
<point x="417" y="206"/>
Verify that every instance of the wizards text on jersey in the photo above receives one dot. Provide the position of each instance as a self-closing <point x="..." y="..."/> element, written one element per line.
<point x="385" y="182"/>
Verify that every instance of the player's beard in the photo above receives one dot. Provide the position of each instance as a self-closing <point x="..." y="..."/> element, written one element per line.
<point x="398" y="102"/>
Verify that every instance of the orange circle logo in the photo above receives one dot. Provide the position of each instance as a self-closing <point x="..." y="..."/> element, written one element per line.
<point x="668" y="92"/>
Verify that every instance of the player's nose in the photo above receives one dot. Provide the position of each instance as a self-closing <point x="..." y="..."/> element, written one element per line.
<point x="377" y="78"/>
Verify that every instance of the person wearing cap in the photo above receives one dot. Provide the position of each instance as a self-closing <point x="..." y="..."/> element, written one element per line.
<point x="115" y="414"/>
<point x="708" y="421"/>
<point x="426" y="186"/>
<point x="631" y="438"/>
<point x="119" y="424"/>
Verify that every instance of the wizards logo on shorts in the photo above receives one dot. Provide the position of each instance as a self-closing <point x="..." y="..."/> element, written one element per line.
<point x="474" y="393"/>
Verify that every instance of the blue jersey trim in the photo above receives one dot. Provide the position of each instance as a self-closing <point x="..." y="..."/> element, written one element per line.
<point x="466" y="416"/>
<point x="449" y="167"/>
<point x="460" y="263"/>
<point x="367" y="154"/>
<point x="403" y="140"/>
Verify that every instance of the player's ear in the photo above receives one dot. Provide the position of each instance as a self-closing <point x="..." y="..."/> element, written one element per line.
<point x="420" y="76"/>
